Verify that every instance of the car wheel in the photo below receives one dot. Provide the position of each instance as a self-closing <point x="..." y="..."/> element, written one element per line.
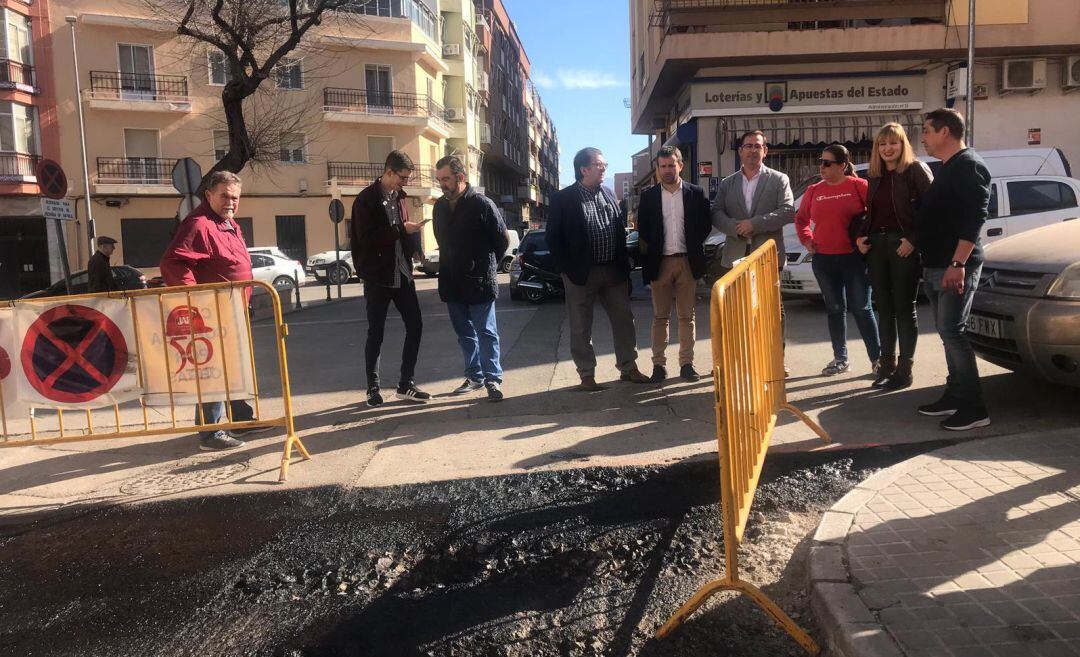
<point x="534" y="295"/>
<point x="504" y="266"/>
<point x="338" y="274"/>
<point x="282" y="282"/>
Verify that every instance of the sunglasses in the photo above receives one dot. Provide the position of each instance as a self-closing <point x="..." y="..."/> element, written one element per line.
<point x="827" y="163"/>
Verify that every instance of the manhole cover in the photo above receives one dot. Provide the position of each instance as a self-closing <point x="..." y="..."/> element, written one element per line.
<point x="188" y="474"/>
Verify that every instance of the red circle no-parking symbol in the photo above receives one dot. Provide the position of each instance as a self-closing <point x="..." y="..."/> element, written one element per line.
<point x="5" y="364"/>
<point x="73" y="354"/>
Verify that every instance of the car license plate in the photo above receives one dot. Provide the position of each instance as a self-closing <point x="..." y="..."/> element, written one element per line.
<point x="987" y="326"/>
<point x="786" y="276"/>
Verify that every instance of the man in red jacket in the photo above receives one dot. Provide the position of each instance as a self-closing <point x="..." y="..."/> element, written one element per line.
<point x="209" y="248"/>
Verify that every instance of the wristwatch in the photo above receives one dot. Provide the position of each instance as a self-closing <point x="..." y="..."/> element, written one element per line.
<point x="956" y="264"/>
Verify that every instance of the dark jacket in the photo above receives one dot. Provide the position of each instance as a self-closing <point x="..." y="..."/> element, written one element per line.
<point x="697" y="224"/>
<point x="954" y="209"/>
<point x="908" y="189"/>
<point x="372" y="237"/>
<point x="568" y="239"/>
<point x="99" y="274"/>
<point x="472" y="241"/>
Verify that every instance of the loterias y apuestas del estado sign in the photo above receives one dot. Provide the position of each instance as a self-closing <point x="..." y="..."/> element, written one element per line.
<point x="871" y="93"/>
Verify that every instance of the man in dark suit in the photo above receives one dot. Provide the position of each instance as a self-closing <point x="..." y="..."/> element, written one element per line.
<point x="384" y="243"/>
<point x="673" y="222"/>
<point x="586" y="234"/>
<point x="98" y="270"/>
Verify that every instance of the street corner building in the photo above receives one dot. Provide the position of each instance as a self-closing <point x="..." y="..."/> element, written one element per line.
<point x="429" y="77"/>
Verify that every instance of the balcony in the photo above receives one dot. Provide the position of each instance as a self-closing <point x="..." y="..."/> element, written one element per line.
<point x="138" y="92"/>
<point x="135" y="175"/>
<point x="415" y="10"/>
<point x="353" y="177"/>
<point x="385" y="108"/>
<point x="528" y="193"/>
<point x="677" y="16"/>
<point x="18" y="167"/>
<point x="16" y="75"/>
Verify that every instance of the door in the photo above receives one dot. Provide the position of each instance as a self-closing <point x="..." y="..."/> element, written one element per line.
<point x="24" y="256"/>
<point x="994" y="228"/>
<point x="292" y="236"/>
<point x="262" y="267"/>
<point x="136" y="70"/>
<point x="1039" y="201"/>
<point x="379" y="85"/>
<point x="142" y="162"/>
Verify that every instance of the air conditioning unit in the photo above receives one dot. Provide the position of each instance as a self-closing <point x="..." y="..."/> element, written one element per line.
<point x="455" y="113"/>
<point x="1023" y="75"/>
<point x="1070" y="72"/>
<point x="451" y="50"/>
<point x="485" y="133"/>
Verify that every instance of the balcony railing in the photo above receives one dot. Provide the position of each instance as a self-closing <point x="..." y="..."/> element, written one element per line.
<point x="383" y="103"/>
<point x="135" y="170"/>
<point x="414" y="10"/>
<point x="362" y="174"/>
<point x="681" y="15"/>
<point x="13" y="73"/>
<point x="138" y="86"/>
<point x="17" y="166"/>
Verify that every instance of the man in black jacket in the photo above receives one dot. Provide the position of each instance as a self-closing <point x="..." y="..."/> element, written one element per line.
<point x="949" y="221"/>
<point x="586" y="234"/>
<point x="98" y="270"/>
<point x="384" y="243"/>
<point x="673" y="221"/>
<point x="472" y="241"/>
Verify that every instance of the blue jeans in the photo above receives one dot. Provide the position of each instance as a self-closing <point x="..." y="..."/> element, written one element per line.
<point x="214" y="412"/>
<point x="845" y="284"/>
<point x="951" y="311"/>
<point x="478" y="336"/>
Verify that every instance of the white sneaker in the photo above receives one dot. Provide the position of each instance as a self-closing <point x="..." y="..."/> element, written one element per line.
<point x="835" y="367"/>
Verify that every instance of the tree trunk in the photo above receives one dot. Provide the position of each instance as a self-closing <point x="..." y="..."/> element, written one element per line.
<point x="240" y="150"/>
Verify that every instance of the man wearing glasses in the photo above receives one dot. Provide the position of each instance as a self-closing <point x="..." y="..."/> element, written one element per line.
<point x="586" y="233"/>
<point x="384" y="243"/>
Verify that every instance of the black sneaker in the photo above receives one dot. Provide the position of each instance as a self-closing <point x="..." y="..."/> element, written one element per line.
<point x="468" y="386"/>
<point x="247" y="431"/>
<point x="943" y="406"/>
<point x="659" y="373"/>
<point x="966" y="418"/>
<point x="494" y="391"/>
<point x="218" y="441"/>
<point x="688" y="373"/>
<point x="373" y="397"/>
<point x="411" y="393"/>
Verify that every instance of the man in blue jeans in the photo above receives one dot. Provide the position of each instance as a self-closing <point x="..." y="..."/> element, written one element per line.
<point x="949" y="222"/>
<point x="472" y="241"/>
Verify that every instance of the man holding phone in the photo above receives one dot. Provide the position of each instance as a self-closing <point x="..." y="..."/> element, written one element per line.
<point x="384" y="243"/>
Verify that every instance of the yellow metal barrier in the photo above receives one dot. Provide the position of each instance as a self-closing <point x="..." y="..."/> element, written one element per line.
<point x="748" y="385"/>
<point x="34" y="434"/>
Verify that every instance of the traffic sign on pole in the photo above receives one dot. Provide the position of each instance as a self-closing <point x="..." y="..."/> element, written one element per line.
<point x="51" y="179"/>
<point x="186" y="176"/>
<point x="61" y="210"/>
<point x="337" y="211"/>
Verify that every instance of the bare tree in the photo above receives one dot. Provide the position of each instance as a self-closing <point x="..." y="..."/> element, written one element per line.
<point x="256" y="36"/>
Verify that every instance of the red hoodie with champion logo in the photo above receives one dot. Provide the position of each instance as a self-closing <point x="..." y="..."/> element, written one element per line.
<point x="831" y="208"/>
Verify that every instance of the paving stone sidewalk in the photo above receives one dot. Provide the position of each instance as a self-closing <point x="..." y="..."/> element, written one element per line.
<point x="972" y="550"/>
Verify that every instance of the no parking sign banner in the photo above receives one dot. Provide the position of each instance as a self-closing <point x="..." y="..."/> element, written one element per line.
<point x="76" y="354"/>
<point x="9" y="366"/>
<point x="195" y="347"/>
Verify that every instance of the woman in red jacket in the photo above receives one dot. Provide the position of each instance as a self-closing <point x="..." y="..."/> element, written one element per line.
<point x="831" y="206"/>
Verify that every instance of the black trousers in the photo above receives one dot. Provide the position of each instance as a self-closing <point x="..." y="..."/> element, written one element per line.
<point x="408" y="305"/>
<point x="896" y="285"/>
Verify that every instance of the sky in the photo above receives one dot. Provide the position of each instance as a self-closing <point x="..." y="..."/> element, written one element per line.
<point x="580" y="58"/>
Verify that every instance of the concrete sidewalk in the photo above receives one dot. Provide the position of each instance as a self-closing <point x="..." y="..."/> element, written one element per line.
<point x="970" y="550"/>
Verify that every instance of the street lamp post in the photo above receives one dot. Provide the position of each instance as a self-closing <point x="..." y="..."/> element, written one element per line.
<point x="91" y="229"/>
<point x="970" y="108"/>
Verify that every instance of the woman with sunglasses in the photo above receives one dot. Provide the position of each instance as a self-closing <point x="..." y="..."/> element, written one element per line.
<point x="824" y="225"/>
<point x="897" y="184"/>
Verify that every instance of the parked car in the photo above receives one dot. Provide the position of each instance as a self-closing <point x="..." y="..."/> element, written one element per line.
<point x="1018" y="202"/>
<point x="1026" y="312"/>
<point x="125" y="277"/>
<point x="633" y="249"/>
<point x="429" y="264"/>
<point x="279" y="272"/>
<point x="337" y="266"/>
<point x="269" y="250"/>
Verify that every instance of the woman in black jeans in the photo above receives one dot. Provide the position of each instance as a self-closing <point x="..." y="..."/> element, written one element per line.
<point x="897" y="183"/>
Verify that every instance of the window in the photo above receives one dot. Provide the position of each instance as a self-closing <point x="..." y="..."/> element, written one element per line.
<point x="136" y="69"/>
<point x="1028" y="196"/>
<point x="292" y="148"/>
<point x="992" y="206"/>
<point x="221" y="143"/>
<point x="19" y="48"/>
<point x="289" y="74"/>
<point x="379" y="82"/>
<point x="18" y="130"/>
<point x="218" y="66"/>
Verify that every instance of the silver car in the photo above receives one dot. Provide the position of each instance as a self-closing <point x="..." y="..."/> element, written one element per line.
<point x="1026" y="312"/>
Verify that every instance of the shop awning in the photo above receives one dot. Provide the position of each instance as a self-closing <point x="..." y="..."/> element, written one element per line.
<point x="684" y="134"/>
<point x="794" y="131"/>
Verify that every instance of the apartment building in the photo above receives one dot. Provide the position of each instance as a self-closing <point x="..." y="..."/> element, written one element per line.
<point x="808" y="74"/>
<point x="465" y="85"/>
<point x="543" y="178"/>
<point x="29" y="251"/>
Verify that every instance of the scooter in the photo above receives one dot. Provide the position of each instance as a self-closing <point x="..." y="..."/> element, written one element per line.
<point x="537" y="284"/>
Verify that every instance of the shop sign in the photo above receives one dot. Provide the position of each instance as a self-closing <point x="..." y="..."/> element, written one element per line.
<point x="870" y="93"/>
